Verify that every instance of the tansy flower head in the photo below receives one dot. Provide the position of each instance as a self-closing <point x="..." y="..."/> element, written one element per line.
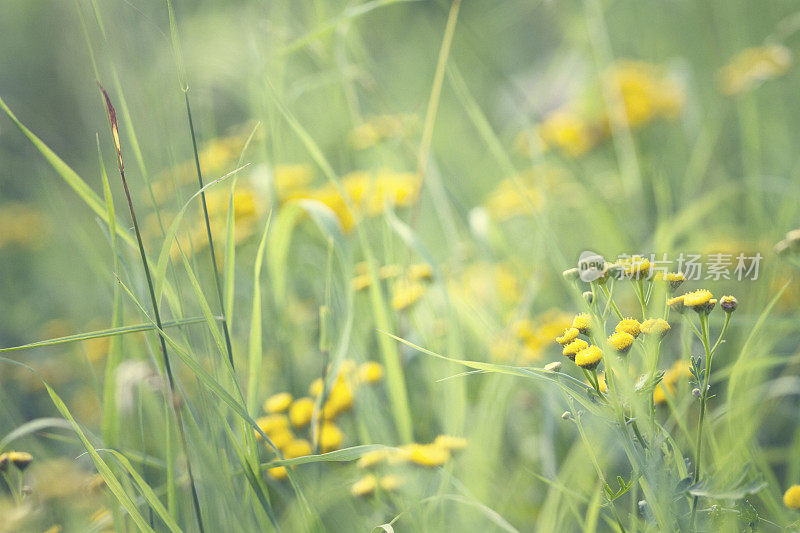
<point x="655" y="326"/>
<point x="330" y="437"/>
<point x="629" y="325"/>
<point x="20" y="459"/>
<point x="405" y="293"/>
<point x="428" y="454"/>
<point x="271" y="423"/>
<point x="278" y="402"/>
<point x="3" y="462"/>
<point x="370" y="372"/>
<point x="297" y="448"/>
<point x="635" y="267"/>
<point x="372" y="458"/>
<point x="601" y="382"/>
<point x="391" y="482"/>
<point x="699" y="300"/>
<point x="621" y="341"/>
<point x="364" y="486"/>
<point x="791" y="498"/>
<point x="582" y="322"/>
<point x="555" y="366"/>
<point x="278" y="472"/>
<point x="300" y="412"/>
<point x="728" y="303"/>
<point x="676" y="304"/>
<point x="572" y="349"/>
<point x="589" y="358"/>
<point x="570" y="334"/>
<point x="675" y="279"/>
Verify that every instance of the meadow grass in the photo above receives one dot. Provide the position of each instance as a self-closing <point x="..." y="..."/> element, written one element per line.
<point x="332" y="286"/>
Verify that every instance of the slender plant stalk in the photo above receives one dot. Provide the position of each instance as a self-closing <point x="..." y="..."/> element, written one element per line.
<point x="112" y="117"/>
<point x="217" y="281"/>
<point x="703" y="398"/>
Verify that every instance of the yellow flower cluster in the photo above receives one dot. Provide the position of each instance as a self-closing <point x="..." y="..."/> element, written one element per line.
<point x="433" y="454"/>
<point x="640" y="93"/>
<point x="369" y="193"/>
<point x="752" y="66"/>
<point x="668" y="385"/>
<point x="530" y="337"/>
<point x="584" y="355"/>
<point x="380" y="128"/>
<point x="285" y="414"/>
<point x="407" y="287"/>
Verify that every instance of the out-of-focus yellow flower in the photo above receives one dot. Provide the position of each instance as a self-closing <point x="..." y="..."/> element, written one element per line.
<point x="278" y="403"/>
<point x="419" y="271"/>
<point x="645" y="91"/>
<point x="512" y="198"/>
<point x="278" y="473"/>
<point x="370" y="372"/>
<point x="372" y="458"/>
<point x="427" y="454"/>
<point x="20" y="459"/>
<point x="300" y="412"/>
<point x="568" y="131"/>
<point x="601" y="382"/>
<point x="339" y="400"/>
<point x="655" y="326"/>
<point x="451" y="443"/>
<point x="752" y="66"/>
<point x="406" y="293"/>
<point x="330" y="437"/>
<point x="271" y="423"/>
<point x="289" y="179"/>
<point x="668" y="384"/>
<point x="281" y="437"/>
<point x="296" y="448"/>
<point x="791" y="498"/>
<point x="379" y="128"/>
<point x="391" y="482"/>
<point x="364" y="486"/>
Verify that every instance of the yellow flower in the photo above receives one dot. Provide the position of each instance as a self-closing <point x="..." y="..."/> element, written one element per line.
<point x="513" y="198"/>
<point x="655" y="326"/>
<point x="281" y="437"/>
<point x="427" y="454"/>
<point x="278" y="402"/>
<point x="271" y="423"/>
<point x="645" y="92"/>
<point x="675" y="279"/>
<point x="589" y="358"/>
<point x="572" y="349"/>
<point x="364" y="486"/>
<point x="635" y="267"/>
<point x="20" y="459"/>
<point x="700" y="300"/>
<point x="340" y="399"/>
<point x="680" y="369"/>
<point x="278" y="472"/>
<point x="753" y="66"/>
<point x="601" y="382"/>
<point x="296" y="448"/>
<point x="372" y="458"/>
<point x="406" y="293"/>
<point x="791" y="498"/>
<point x="621" y="341"/>
<point x="330" y="437"/>
<point x="370" y="372"/>
<point x="630" y="326"/>
<point x="451" y="443"/>
<point x="301" y="411"/>
<point x="728" y="303"/>
<point x="3" y="462"/>
<point x="570" y="334"/>
<point x="676" y="303"/>
<point x="420" y="271"/>
<point x="582" y="323"/>
<point x="360" y="282"/>
<point x="315" y="389"/>
<point x="568" y="131"/>
<point x="391" y="482"/>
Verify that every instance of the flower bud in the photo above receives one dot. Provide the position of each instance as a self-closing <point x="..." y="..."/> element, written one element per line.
<point x="728" y="303"/>
<point x="566" y="415"/>
<point x="696" y="393"/>
<point x="588" y="296"/>
<point x="555" y="366"/>
<point x="570" y="274"/>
